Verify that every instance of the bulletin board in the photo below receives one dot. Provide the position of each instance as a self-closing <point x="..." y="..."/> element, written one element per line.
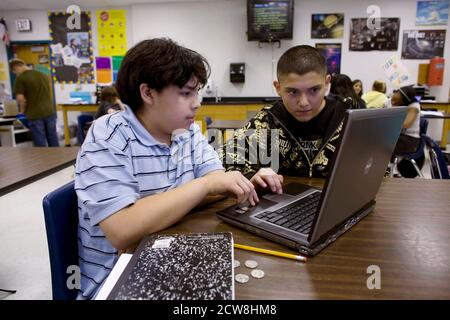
<point x="71" y="48"/>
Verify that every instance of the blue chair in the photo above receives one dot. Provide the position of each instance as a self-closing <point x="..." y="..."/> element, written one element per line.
<point x="83" y="122"/>
<point x="61" y="221"/>
<point x="415" y="156"/>
<point x="439" y="166"/>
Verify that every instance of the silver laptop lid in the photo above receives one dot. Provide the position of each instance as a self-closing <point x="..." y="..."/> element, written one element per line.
<point x="369" y="138"/>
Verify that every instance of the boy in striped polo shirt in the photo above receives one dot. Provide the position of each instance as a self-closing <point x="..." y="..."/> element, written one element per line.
<point x="142" y="169"/>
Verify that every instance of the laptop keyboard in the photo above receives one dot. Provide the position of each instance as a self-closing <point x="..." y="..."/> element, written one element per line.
<point x="297" y="216"/>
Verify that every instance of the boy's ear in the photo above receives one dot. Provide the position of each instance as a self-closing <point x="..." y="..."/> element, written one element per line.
<point x="277" y="86"/>
<point x="147" y="94"/>
<point x="327" y="79"/>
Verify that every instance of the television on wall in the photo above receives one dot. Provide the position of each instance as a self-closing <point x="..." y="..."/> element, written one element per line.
<point x="269" y="20"/>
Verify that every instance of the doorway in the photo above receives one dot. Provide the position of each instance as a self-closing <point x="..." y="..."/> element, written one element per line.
<point x="36" y="55"/>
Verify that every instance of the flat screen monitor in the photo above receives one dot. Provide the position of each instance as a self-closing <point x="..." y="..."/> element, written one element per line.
<point x="270" y="20"/>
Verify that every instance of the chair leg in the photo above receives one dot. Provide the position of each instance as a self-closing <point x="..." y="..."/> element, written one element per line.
<point x="394" y="167"/>
<point x="419" y="172"/>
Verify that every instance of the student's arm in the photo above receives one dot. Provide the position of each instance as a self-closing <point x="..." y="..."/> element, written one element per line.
<point x="211" y="199"/>
<point x="20" y="98"/>
<point x="157" y="212"/>
<point x="410" y="117"/>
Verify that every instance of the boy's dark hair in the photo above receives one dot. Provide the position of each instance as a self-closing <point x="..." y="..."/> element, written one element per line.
<point x="158" y="63"/>
<point x="301" y="60"/>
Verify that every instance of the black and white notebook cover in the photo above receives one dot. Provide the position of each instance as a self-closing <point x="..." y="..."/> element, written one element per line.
<point x="195" y="266"/>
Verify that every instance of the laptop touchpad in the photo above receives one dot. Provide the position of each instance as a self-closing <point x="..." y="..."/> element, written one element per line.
<point x="278" y="197"/>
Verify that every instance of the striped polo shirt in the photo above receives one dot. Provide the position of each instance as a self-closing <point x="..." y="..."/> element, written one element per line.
<point x="119" y="163"/>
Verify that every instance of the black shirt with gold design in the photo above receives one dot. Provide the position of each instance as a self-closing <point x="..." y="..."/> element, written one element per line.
<point x="304" y="148"/>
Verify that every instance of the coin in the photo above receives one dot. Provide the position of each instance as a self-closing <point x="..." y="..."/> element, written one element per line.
<point x="237" y="263"/>
<point x="241" y="278"/>
<point x="257" y="273"/>
<point x="251" y="264"/>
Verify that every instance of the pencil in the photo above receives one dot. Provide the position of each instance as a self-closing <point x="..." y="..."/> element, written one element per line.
<point x="272" y="252"/>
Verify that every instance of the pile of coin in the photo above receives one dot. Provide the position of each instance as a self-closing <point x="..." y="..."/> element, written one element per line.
<point x="251" y="264"/>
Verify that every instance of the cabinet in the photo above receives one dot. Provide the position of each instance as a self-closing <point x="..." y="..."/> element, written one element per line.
<point x="9" y="131"/>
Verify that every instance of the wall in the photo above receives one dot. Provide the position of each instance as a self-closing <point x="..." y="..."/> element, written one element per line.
<point x="217" y="30"/>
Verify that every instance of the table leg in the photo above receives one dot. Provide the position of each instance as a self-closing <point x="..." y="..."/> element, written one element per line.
<point x="66" y="128"/>
<point x="445" y="129"/>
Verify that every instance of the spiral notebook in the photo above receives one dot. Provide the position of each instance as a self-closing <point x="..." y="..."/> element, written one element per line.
<point x="195" y="266"/>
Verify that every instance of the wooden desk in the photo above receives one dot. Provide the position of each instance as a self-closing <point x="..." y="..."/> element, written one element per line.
<point x="442" y="106"/>
<point x="21" y="166"/>
<point x="407" y="236"/>
<point x="73" y="107"/>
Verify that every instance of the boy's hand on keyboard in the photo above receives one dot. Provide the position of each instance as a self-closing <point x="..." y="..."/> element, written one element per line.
<point x="234" y="183"/>
<point x="267" y="178"/>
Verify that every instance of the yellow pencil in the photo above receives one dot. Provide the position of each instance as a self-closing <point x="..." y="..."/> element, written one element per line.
<point x="272" y="252"/>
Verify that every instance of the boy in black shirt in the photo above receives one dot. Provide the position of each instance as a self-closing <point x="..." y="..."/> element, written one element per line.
<point x="308" y="125"/>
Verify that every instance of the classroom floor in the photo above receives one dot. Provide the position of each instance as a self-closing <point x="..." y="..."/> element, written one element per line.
<point x="24" y="262"/>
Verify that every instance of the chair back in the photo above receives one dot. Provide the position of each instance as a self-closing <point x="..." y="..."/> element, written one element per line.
<point x="61" y="222"/>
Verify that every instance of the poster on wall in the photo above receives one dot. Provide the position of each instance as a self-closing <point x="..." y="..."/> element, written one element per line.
<point x="116" y="62"/>
<point x="112" y="32"/>
<point x="396" y="72"/>
<point x="71" y="48"/>
<point x="103" y="68"/>
<point x="332" y="53"/>
<point x="432" y="13"/>
<point x="423" y="44"/>
<point x="327" y="26"/>
<point x="384" y="38"/>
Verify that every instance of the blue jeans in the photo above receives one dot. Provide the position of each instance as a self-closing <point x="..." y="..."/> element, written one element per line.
<point x="44" y="132"/>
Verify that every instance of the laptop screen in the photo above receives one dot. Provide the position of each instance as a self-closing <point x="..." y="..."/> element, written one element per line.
<point x="368" y="141"/>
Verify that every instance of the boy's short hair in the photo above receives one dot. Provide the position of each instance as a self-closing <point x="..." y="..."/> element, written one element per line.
<point x="16" y="62"/>
<point x="301" y="60"/>
<point x="379" y="85"/>
<point x="158" y="63"/>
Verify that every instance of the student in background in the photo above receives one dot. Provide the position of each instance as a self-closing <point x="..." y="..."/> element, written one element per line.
<point x="409" y="139"/>
<point x="308" y="123"/>
<point x="342" y="86"/>
<point x="376" y="98"/>
<point x="141" y="170"/>
<point x="32" y="89"/>
<point x="358" y="87"/>
<point x="109" y="102"/>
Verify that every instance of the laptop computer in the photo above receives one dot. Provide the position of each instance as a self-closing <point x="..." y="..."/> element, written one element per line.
<point x="10" y="109"/>
<point x="308" y="219"/>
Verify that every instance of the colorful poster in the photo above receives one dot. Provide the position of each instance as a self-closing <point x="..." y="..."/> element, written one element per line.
<point x="384" y="38"/>
<point x="329" y="25"/>
<point x="112" y="32"/>
<point x="432" y="13"/>
<point x="423" y="44"/>
<point x="396" y="72"/>
<point x="103" y="67"/>
<point x="116" y="61"/>
<point x="71" y="48"/>
<point x="332" y="53"/>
